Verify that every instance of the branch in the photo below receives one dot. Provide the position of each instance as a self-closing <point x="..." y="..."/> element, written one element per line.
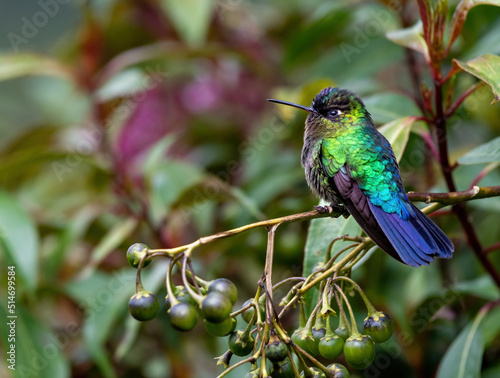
<point x="453" y="198"/>
<point x="445" y="199"/>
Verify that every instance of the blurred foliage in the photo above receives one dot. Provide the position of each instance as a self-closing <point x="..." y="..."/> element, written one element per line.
<point x="146" y="121"/>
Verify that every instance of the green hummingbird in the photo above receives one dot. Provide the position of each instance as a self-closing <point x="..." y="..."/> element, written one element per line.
<point x="351" y="165"/>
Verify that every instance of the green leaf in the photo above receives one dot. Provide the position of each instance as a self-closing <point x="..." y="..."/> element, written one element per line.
<point x="109" y="242"/>
<point x="463" y="358"/>
<point x="486" y="68"/>
<point x="460" y="15"/>
<point x="39" y="352"/>
<point x="167" y="181"/>
<point x="103" y="297"/>
<point x="411" y="38"/>
<point x="481" y="287"/>
<point x="13" y="66"/>
<point x="397" y="133"/>
<point x="491" y="326"/>
<point x="484" y="154"/>
<point x="320" y="234"/>
<point x="387" y="106"/>
<point x="191" y="18"/>
<point x="19" y="239"/>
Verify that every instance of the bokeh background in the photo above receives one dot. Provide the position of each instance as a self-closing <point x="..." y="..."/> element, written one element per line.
<point x="146" y="121"/>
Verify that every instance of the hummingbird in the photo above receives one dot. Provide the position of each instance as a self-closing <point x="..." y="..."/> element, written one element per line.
<point x="351" y="165"/>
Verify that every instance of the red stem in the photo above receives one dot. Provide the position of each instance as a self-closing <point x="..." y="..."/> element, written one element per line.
<point x="459" y="210"/>
<point x="492" y="248"/>
<point x="462" y="98"/>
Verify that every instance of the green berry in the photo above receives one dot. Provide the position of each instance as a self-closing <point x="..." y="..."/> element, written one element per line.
<point x="276" y="350"/>
<point x="342" y="332"/>
<point x="359" y="351"/>
<point x="221" y="329"/>
<point x="282" y="369"/>
<point x="216" y="307"/>
<point x="248" y="314"/>
<point x="331" y="346"/>
<point x="183" y="316"/>
<point x="240" y="346"/>
<point x="143" y="306"/>
<point x="135" y="254"/>
<point x="313" y="343"/>
<point x="225" y="287"/>
<point x="338" y="371"/>
<point x="182" y="295"/>
<point x="379" y="327"/>
<point x="300" y="337"/>
<point x="313" y="372"/>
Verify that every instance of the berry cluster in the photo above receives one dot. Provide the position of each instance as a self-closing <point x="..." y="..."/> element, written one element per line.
<point x="263" y="339"/>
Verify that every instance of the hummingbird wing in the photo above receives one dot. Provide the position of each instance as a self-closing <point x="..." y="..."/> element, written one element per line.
<point x="374" y="196"/>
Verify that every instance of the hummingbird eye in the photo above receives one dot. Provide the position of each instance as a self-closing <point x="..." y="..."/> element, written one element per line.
<point x="334" y="112"/>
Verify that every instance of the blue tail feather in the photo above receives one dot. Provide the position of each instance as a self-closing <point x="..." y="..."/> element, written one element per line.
<point x="416" y="240"/>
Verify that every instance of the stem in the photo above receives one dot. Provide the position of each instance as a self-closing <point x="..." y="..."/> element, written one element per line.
<point x="354" y="326"/>
<point x="268" y="271"/>
<point x="197" y="297"/>
<point x="462" y="98"/>
<point x="343" y="318"/>
<point x="492" y="248"/>
<point x="369" y="306"/>
<point x="460" y="210"/>
<point x="483" y="173"/>
<point x="441" y="137"/>
<point x="454" y="198"/>
<point x="168" y="284"/>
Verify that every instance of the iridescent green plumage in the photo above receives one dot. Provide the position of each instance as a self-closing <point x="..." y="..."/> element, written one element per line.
<point x="351" y="165"/>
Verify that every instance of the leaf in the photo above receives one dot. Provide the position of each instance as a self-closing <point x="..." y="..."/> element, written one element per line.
<point x="109" y="242"/>
<point x="460" y="15"/>
<point x="485" y="153"/>
<point x="39" y="352"/>
<point x="387" y="106"/>
<point x="411" y="38"/>
<point x="463" y="358"/>
<point x="320" y="234"/>
<point x="104" y="297"/>
<point x="486" y="68"/>
<point x="167" y="182"/>
<point x="481" y="287"/>
<point x="19" y="239"/>
<point x="191" y="18"/>
<point x="397" y="133"/>
<point x="13" y="66"/>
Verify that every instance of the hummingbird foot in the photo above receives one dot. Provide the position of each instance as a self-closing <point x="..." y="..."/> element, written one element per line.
<point x="334" y="209"/>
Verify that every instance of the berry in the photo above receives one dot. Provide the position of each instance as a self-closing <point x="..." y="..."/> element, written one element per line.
<point x="216" y="307"/>
<point x="282" y="369"/>
<point x="300" y="337"/>
<point x="313" y="372"/>
<point x="342" y="332"/>
<point x="225" y="287"/>
<point x="359" y="351"/>
<point x="240" y="346"/>
<point x="379" y="327"/>
<point x="276" y="350"/>
<point x="221" y="329"/>
<point x="313" y="343"/>
<point x="135" y="254"/>
<point x="338" y="371"/>
<point x="248" y="314"/>
<point x="331" y="346"/>
<point x="183" y="316"/>
<point x="143" y="306"/>
<point x="182" y="296"/>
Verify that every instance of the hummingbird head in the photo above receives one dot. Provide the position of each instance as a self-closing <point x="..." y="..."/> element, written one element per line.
<point x="331" y="110"/>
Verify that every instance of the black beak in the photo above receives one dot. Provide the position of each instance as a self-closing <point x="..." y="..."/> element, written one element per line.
<point x="306" y="108"/>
